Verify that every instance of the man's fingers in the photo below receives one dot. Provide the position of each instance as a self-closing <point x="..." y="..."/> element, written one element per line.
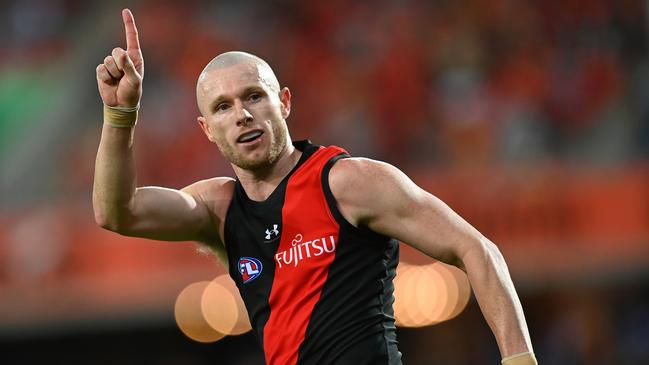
<point x="119" y="64"/>
<point x="132" y="40"/>
<point x="112" y="68"/>
<point x="129" y="71"/>
<point x="102" y="74"/>
<point x="118" y="55"/>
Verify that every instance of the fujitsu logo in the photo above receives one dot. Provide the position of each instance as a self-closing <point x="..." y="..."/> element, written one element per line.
<point x="305" y="250"/>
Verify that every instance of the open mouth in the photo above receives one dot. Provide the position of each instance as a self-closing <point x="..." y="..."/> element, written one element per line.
<point x="250" y="136"/>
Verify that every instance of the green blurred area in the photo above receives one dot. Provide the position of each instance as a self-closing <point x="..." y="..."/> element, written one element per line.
<point x="26" y="96"/>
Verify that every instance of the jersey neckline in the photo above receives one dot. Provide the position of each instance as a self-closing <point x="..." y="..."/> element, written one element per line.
<point x="306" y="147"/>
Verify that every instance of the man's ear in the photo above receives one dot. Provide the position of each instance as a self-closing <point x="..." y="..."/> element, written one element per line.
<point x="206" y="129"/>
<point x="285" y="100"/>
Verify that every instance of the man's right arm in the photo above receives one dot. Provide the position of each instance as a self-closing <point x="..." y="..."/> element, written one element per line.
<point x="193" y="213"/>
<point x="150" y="212"/>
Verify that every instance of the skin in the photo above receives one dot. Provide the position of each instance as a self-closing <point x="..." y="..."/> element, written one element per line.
<point x="238" y="98"/>
<point x="238" y="93"/>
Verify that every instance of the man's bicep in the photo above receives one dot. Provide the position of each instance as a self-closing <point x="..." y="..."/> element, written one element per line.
<point x="432" y="227"/>
<point x="168" y="215"/>
<point x="390" y="203"/>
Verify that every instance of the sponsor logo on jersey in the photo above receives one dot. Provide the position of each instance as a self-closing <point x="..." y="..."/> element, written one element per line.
<point x="272" y="233"/>
<point x="250" y="269"/>
<point x="300" y="251"/>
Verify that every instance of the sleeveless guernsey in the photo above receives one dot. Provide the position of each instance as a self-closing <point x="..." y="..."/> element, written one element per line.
<point x="317" y="289"/>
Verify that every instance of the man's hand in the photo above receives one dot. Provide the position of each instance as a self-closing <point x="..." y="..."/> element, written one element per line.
<point x="119" y="78"/>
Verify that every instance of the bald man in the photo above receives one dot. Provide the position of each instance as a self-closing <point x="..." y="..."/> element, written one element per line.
<point x="308" y="233"/>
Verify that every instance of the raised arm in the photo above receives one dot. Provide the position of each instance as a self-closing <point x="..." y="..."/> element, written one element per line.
<point x="193" y="213"/>
<point x="382" y="198"/>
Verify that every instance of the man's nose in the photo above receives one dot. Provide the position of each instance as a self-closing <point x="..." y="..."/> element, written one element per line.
<point x="243" y="115"/>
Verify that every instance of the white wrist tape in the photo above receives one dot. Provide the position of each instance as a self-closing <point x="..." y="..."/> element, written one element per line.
<point x="524" y="358"/>
<point x="121" y="117"/>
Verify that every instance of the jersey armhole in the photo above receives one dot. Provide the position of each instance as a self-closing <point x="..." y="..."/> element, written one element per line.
<point x="333" y="204"/>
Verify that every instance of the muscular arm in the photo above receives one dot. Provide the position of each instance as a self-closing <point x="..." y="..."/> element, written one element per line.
<point x="193" y="213"/>
<point x="408" y="213"/>
<point x="151" y="212"/>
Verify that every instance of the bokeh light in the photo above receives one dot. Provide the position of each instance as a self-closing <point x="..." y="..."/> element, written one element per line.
<point x="432" y="295"/>
<point x="401" y="291"/>
<point x="219" y="307"/>
<point x="452" y="291"/>
<point x="189" y="316"/>
<point x="207" y="311"/>
<point x="223" y="307"/>
<point x="464" y="290"/>
<point x="429" y="294"/>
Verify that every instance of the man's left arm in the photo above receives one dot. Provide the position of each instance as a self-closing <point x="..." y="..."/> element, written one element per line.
<point x="380" y="197"/>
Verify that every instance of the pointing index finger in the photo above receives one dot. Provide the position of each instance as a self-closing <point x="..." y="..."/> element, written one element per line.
<point x="132" y="41"/>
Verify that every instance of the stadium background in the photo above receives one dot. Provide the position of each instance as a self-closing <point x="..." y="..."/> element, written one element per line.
<point x="530" y="118"/>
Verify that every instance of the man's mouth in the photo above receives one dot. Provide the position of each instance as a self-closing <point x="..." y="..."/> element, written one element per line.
<point x="249" y="136"/>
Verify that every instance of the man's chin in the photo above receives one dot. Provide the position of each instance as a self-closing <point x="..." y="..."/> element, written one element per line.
<point x="256" y="160"/>
<point x="251" y="164"/>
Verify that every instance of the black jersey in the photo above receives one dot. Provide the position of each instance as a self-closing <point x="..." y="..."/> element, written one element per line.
<point x="317" y="289"/>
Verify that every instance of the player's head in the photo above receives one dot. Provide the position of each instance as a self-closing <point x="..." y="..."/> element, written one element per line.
<point x="243" y="110"/>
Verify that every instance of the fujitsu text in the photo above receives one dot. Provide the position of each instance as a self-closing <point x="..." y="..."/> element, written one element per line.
<point x="305" y="250"/>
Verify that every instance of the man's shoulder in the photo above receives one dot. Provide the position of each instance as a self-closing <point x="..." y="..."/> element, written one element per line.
<point x="357" y="179"/>
<point x="213" y="190"/>
<point x="353" y="170"/>
<point x="357" y="184"/>
<point x="350" y="178"/>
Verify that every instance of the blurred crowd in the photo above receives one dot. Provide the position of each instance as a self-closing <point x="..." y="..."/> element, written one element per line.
<point x="422" y="84"/>
<point x="417" y="83"/>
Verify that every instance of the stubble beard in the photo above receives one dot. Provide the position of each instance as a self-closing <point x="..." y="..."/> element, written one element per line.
<point x="277" y="146"/>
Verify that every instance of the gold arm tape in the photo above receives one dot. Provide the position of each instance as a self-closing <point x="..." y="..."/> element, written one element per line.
<point x="525" y="358"/>
<point x="119" y="117"/>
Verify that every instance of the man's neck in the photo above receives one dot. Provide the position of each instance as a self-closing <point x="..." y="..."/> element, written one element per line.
<point x="259" y="184"/>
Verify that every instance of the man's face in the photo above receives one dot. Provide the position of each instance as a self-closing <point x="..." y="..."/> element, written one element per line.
<point x="244" y="114"/>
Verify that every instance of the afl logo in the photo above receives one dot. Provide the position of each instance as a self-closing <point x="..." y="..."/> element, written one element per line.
<point x="250" y="269"/>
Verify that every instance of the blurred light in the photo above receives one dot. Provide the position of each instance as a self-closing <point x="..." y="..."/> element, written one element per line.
<point x="429" y="294"/>
<point x="414" y="317"/>
<point x="189" y="316"/>
<point x="242" y="323"/>
<point x="452" y="292"/>
<point x="464" y="290"/>
<point x="219" y="307"/>
<point x="400" y="295"/>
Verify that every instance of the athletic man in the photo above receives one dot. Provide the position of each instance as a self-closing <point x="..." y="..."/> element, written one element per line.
<point x="307" y="232"/>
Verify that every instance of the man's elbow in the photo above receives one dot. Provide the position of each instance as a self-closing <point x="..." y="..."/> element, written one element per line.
<point x="483" y="251"/>
<point x="110" y="222"/>
<point x="491" y="248"/>
<point x="103" y="221"/>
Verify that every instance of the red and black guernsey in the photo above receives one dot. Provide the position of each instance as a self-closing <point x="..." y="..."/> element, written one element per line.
<point x="317" y="289"/>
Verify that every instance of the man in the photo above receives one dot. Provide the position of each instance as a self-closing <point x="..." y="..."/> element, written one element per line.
<point x="307" y="232"/>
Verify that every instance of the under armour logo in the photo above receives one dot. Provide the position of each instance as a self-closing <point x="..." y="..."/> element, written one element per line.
<point x="272" y="232"/>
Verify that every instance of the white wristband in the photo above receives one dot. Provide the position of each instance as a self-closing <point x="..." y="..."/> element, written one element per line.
<point x="524" y="358"/>
<point x="121" y="117"/>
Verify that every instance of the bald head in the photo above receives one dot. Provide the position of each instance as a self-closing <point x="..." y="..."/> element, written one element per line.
<point x="233" y="58"/>
<point x="238" y="92"/>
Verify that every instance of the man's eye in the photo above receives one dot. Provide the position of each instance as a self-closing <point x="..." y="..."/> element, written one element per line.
<point x="254" y="97"/>
<point x="221" y="107"/>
